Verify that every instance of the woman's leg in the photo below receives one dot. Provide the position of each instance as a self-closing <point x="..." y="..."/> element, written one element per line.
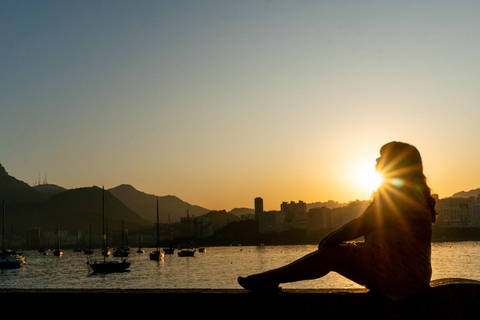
<point x="317" y="264"/>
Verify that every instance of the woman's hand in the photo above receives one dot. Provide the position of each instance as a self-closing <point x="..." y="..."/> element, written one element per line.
<point x="323" y="243"/>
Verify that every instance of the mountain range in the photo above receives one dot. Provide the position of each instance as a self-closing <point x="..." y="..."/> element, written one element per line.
<point x="76" y="209"/>
<point x="467" y="194"/>
<point x="146" y="205"/>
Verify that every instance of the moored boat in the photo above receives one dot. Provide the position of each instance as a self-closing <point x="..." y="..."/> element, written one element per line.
<point x="58" y="252"/>
<point x="186" y="253"/>
<point x="169" y="250"/>
<point x="107" y="266"/>
<point x="157" y="255"/>
<point x="124" y="250"/>
<point x="9" y="259"/>
<point x="89" y="249"/>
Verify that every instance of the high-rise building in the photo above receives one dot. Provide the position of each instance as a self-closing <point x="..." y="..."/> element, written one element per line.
<point x="258" y="207"/>
<point x="292" y="209"/>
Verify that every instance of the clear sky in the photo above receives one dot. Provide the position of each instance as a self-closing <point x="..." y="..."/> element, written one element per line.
<point x="218" y="102"/>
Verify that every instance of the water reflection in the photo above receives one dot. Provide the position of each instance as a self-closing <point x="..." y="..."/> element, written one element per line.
<point x="219" y="267"/>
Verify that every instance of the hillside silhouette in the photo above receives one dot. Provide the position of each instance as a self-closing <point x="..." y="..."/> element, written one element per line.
<point x="49" y="190"/>
<point x="467" y="194"/>
<point x="16" y="191"/>
<point x="74" y="210"/>
<point x="146" y="205"/>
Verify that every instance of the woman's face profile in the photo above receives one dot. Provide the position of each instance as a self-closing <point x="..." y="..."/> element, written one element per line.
<point x="380" y="164"/>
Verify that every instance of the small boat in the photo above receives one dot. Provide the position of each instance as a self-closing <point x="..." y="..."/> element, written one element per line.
<point x="124" y="250"/>
<point x="121" y="252"/>
<point x="58" y="252"/>
<point x="9" y="259"/>
<point x="140" y="249"/>
<point x="157" y="255"/>
<point x="186" y="253"/>
<point x="169" y="250"/>
<point x="107" y="266"/>
<point x="202" y="250"/>
<point x="89" y="249"/>
<point x="106" y="252"/>
<point x="77" y="249"/>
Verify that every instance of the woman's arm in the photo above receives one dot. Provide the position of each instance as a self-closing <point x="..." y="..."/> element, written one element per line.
<point x="352" y="230"/>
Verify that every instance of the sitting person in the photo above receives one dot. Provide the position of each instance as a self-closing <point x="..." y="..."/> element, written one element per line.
<point x="397" y="228"/>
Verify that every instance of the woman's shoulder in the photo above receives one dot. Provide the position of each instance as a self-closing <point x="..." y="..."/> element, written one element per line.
<point x="399" y="195"/>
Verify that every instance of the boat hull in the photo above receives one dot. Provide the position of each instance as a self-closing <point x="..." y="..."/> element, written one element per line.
<point x="186" y="253"/>
<point x="156" y="255"/>
<point x="168" y="250"/>
<point x="109" y="266"/>
<point x="11" y="262"/>
<point x="119" y="253"/>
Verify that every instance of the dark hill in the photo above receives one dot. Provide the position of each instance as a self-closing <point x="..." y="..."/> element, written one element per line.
<point x="49" y="190"/>
<point x="221" y="218"/>
<point x="76" y="209"/>
<point x="13" y="190"/>
<point x="146" y="204"/>
<point x="467" y="194"/>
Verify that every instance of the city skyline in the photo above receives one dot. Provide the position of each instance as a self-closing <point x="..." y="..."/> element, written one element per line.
<point x="218" y="102"/>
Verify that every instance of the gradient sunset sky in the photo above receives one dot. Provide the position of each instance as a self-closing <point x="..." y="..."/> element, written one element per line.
<point x="218" y="102"/>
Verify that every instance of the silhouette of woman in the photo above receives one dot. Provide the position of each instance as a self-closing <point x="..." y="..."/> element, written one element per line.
<point x="394" y="259"/>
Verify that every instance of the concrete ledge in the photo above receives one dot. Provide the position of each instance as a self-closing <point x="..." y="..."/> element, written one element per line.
<point x="447" y="299"/>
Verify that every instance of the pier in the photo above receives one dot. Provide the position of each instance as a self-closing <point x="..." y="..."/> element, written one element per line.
<point x="447" y="299"/>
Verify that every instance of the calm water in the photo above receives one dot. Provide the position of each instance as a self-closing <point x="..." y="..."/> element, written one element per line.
<point x="219" y="267"/>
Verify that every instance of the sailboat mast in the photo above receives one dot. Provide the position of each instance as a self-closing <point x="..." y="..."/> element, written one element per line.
<point x="103" y="221"/>
<point x="3" y="228"/>
<point x="158" y="230"/>
<point x="58" y="236"/>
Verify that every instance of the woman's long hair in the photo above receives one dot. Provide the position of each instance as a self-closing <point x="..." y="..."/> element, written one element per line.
<point x="402" y="161"/>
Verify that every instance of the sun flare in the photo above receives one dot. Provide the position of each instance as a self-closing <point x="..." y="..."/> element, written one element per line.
<point x="368" y="179"/>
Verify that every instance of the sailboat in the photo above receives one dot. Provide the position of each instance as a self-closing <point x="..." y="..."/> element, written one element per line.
<point x="124" y="250"/>
<point x="107" y="266"/>
<point x="57" y="252"/>
<point x="170" y="249"/>
<point x="106" y="250"/>
<point x="186" y="253"/>
<point x="89" y="249"/>
<point x="9" y="259"/>
<point x="140" y="249"/>
<point x="157" y="255"/>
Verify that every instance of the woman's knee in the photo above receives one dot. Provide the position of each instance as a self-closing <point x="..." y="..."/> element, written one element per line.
<point x="338" y="257"/>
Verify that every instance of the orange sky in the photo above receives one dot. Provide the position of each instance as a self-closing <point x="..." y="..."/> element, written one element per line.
<point x="218" y="103"/>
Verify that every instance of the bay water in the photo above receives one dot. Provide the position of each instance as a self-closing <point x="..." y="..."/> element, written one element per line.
<point x="217" y="268"/>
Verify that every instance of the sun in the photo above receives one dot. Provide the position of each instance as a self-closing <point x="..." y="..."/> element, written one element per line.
<point x="368" y="179"/>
